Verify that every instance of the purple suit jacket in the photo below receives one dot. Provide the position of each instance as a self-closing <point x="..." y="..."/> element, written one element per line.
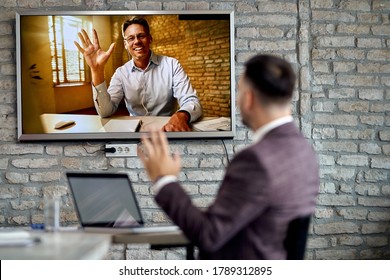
<point x="266" y="185"/>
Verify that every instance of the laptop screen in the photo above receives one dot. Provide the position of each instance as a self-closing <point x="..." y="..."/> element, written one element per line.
<point x="104" y="200"/>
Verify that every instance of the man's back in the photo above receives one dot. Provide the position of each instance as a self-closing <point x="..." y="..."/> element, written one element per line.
<point x="265" y="187"/>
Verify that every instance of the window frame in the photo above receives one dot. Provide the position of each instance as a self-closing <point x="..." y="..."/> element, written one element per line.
<point x="60" y="63"/>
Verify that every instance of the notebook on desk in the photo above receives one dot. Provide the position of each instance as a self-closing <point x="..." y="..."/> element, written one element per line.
<point x="106" y="203"/>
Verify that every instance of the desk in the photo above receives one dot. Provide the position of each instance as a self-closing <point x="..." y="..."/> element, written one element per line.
<point x="158" y="241"/>
<point x="94" y="123"/>
<point x="61" y="246"/>
<point x="79" y="245"/>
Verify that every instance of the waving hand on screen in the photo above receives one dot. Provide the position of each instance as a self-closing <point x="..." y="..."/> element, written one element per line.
<point x="95" y="57"/>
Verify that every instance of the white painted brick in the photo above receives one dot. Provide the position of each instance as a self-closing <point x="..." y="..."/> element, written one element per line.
<point x="321" y="4"/>
<point x="345" y="188"/>
<point x="16" y="177"/>
<point x="341" y="61"/>
<point x="381" y="55"/>
<point x="330" y="16"/>
<point x="379" y="216"/>
<point x="357" y="81"/>
<point x="353" y="5"/>
<point x="343" y="67"/>
<point x="45" y="176"/>
<point x="368" y="18"/>
<point x="370" y="228"/>
<point x="382" y="163"/>
<point x="324" y="213"/>
<point x="369" y="43"/>
<point x="341" y="119"/>
<point x="377" y="241"/>
<point x="336" y="228"/>
<point x="353" y="214"/>
<point x="340" y="41"/>
<point x="34" y="163"/>
<point x="372" y="120"/>
<point x="344" y="28"/>
<point x="176" y="5"/>
<point x="365" y="134"/>
<point x="342" y="93"/>
<point x="375" y="175"/>
<point x="371" y="94"/>
<point x="353" y="54"/>
<point x="370" y="148"/>
<point x="17" y="149"/>
<point x="351" y="240"/>
<point x="386" y="190"/>
<point x="332" y="200"/>
<point x="315" y="243"/>
<point x="381" y="30"/>
<point x="353" y="160"/>
<point x="371" y="201"/>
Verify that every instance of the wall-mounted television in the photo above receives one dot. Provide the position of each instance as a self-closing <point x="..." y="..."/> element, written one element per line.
<point x="56" y="98"/>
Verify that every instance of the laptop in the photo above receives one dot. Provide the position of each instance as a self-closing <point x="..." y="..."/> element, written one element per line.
<point x="106" y="203"/>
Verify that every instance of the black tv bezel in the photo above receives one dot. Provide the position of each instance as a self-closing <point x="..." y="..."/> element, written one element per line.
<point x="89" y="136"/>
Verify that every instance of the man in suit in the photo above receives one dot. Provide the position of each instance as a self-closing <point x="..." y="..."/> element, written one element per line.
<point x="266" y="185"/>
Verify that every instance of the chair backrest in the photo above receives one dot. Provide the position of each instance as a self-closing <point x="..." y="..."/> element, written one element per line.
<point x="295" y="242"/>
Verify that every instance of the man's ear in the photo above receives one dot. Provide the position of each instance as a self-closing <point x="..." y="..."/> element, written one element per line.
<point x="250" y="99"/>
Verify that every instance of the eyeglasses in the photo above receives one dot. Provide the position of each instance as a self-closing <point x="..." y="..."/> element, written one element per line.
<point x="141" y="36"/>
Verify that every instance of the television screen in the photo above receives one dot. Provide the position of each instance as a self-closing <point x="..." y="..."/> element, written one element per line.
<point x="62" y="96"/>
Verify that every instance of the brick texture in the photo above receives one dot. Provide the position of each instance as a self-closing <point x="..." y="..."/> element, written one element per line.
<point x="340" y="50"/>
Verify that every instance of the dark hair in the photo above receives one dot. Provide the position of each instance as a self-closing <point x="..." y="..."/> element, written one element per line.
<point x="135" y="20"/>
<point x="272" y="77"/>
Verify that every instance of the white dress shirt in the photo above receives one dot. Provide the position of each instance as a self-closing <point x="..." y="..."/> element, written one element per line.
<point x="155" y="91"/>
<point x="262" y="131"/>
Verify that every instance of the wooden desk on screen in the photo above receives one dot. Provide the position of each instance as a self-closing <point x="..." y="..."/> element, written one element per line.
<point x="94" y="123"/>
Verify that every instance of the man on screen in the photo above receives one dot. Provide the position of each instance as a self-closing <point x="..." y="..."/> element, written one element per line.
<point x="150" y="84"/>
<point x="266" y="186"/>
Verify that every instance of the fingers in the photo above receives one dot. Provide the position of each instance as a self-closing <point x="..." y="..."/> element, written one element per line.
<point x="84" y="38"/>
<point x="142" y="153"/>
<point x="110" y="49"/>
<point x="163" y="142"/>
<point x="176" y="127"/>
<point x="95" y="37"/>
<point x="155" y="145"/>
<point x="147" y="147"/>
<point x="79" y="47"/>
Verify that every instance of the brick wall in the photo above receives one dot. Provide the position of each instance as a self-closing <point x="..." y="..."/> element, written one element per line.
<point x="341" y="52"/>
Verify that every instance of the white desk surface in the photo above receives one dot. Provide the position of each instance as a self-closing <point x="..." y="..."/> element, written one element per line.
<point x="61" y="246"/>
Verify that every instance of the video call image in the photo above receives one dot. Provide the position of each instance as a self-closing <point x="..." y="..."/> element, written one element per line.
<point x="56" y="85"/>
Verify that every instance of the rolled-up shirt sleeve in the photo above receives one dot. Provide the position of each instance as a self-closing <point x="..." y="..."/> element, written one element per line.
<point x="185" y="94"/>
<point x="102" y="100"/>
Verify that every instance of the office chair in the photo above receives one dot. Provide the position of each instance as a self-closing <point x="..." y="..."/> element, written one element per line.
<point x="295" y="242"/>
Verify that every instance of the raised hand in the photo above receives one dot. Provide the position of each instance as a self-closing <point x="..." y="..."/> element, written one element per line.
<point x="156" y="156"/>
<point x="95" y="57"/>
